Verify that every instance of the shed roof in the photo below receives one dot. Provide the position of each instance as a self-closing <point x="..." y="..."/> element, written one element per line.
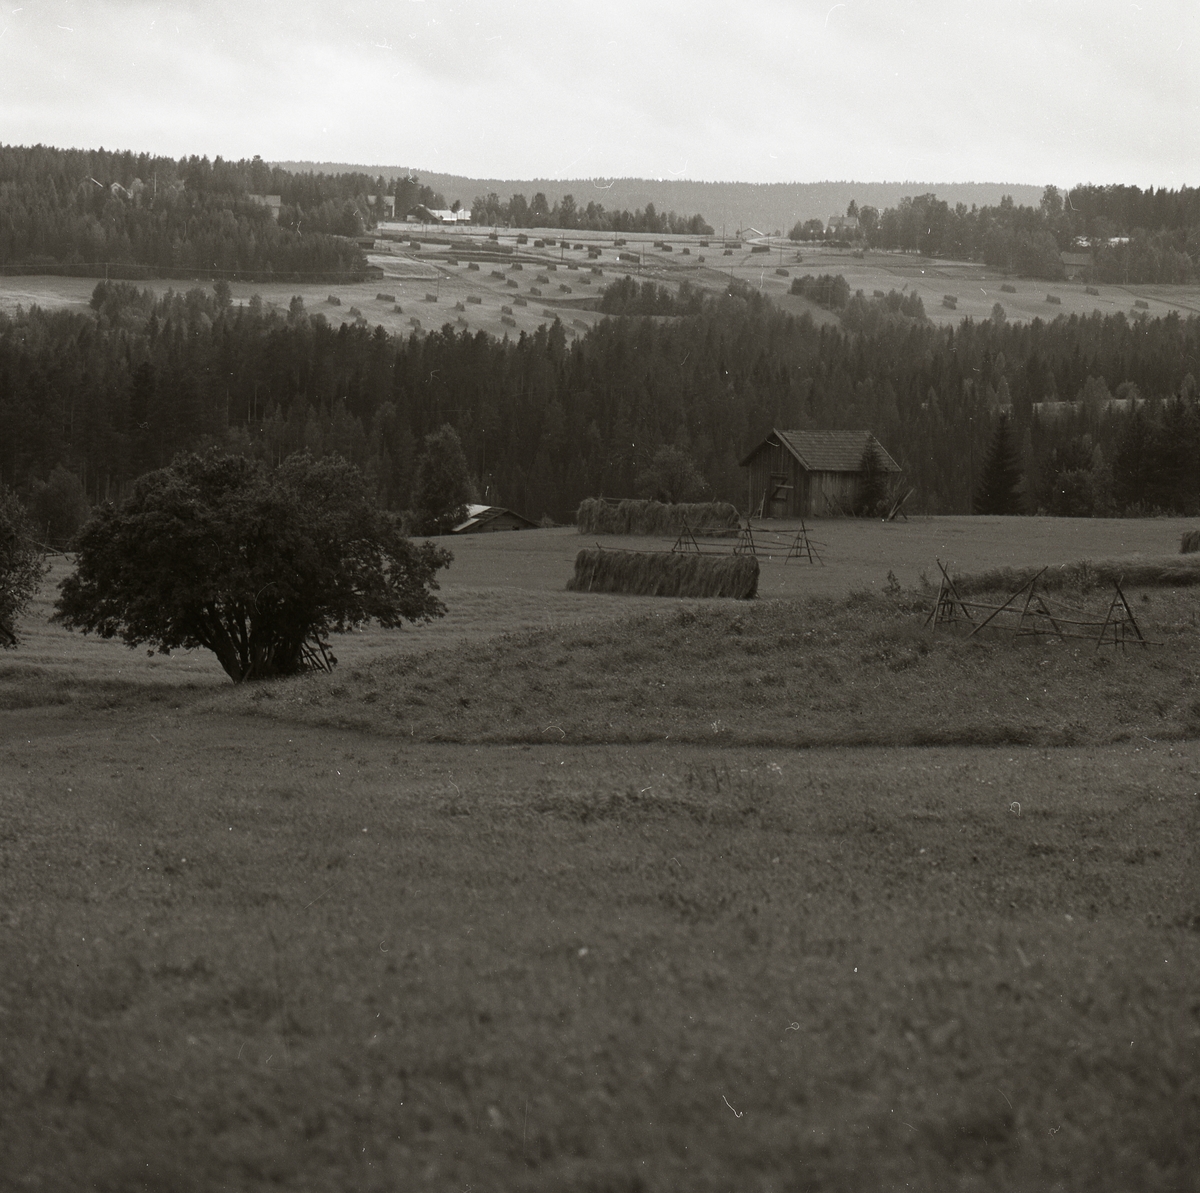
<point x="828" y="451"/>
<point x="479" y="515"/>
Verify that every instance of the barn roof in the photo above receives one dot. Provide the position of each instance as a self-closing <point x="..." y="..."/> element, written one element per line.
<point x="828" y="451"/>
<point x="479" y="515"/>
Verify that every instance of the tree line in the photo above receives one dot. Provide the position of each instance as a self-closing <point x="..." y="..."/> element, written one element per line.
<point x="519" y="212"/>
<point x="1103" y="408"/>
<point x="75" y="210"/>
<point x="1133" y="236"/>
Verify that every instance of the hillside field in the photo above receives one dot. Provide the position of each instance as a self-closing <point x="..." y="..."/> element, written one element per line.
<point x="430" y="281"/>
<point x="591" y="892"/>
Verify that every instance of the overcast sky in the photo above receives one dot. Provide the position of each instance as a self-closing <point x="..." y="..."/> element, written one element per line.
<point x="1029" y="91"/>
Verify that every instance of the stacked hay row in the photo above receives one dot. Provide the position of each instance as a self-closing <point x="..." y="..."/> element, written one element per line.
<point x="654" y="517"/>
<point x="665" y="574"/>
<point x="1084" y="574"/>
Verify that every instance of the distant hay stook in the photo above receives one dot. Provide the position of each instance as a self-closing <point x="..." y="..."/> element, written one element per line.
<point x="654" y="517"/>
<point x="662" y="573"/>
<point x="1190" y="542"/>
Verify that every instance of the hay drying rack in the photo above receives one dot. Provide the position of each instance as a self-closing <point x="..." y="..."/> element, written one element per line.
<point x="686" y="543"/>
<point x="802" y="547"/>
<point x="1032" y="618"/>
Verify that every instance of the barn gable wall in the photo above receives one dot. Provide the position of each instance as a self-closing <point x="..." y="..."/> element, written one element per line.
<point x="803" y="494"/>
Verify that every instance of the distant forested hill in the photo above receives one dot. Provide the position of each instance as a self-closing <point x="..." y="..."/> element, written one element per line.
<point x="769" y="207"/>
<point x="84" y="211"/>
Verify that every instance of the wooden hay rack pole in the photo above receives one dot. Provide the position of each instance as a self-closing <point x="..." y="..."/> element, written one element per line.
<point x="948" y="604"/>
<point x="1118" y="626"/>
<point x="686" y="543"/>
<point x="897" y="506"/>
<point x="803" y="546"/>
<point x="745" y="542"/>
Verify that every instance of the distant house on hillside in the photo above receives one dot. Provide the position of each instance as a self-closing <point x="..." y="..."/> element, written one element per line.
<point x="842" y="226"/>
<point x="803" y="474"/>
<point x="274" y="202"/>
<point x="1077" y="266"/>
<point x="388" y="201"/>
<point x="482" y="519"/>
<point x="438" y="215"/>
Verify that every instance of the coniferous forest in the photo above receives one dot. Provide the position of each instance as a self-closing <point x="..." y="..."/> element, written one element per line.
<point x="139" y="216"/>
<point x="1103" y="413"/>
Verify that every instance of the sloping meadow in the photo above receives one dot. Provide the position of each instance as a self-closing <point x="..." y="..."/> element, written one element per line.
<point x="863" y="671"/>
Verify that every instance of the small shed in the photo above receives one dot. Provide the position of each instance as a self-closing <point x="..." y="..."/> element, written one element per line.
<point x="482" y="519"/>
<point x="804" y="474"/>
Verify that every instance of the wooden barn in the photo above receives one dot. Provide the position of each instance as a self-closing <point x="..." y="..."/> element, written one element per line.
<point x="805" y="474"/>
<point x="482" y="519"/>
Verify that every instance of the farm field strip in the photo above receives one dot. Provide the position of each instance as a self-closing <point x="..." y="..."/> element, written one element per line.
<point x="504" y="583"/>
<point x="976" y="286"/>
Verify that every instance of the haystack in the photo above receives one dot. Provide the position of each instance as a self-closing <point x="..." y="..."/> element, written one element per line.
<point x="658" y="573"/>
<point x="654" y="517"/>
<point x="1167" y="572"/>
<point x="1190" y="542"/>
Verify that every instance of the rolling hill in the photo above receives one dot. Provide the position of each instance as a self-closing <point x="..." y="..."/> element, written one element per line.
<point x="769" y="207"/>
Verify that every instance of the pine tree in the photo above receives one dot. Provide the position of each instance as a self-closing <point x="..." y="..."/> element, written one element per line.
<point x="998" y="487"/>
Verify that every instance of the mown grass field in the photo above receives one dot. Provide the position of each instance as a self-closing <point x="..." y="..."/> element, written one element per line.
<point x="412" y="275"/>
<point x="579" y="891"/>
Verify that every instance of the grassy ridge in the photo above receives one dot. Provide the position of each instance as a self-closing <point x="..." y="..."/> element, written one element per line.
<point x="863" y="671"/>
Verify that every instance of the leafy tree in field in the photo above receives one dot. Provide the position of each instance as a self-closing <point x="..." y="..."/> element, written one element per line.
<point x="872" y="485"/>
<point x="22" y="565"/>
<point x="672" y="476"/>
<point x="443" y="487"/>
<point x="257" y="566"/>
<point x="998" y="487"/>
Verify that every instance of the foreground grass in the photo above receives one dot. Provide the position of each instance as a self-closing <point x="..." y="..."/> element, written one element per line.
<point x="284" y="937"/>
<point x="239" y="956"/>
<point x="862" y="671"/>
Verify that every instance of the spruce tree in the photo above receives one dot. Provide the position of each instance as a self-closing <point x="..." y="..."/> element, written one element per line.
<point x="998" y="487"/>
<point x="872" y="482"/>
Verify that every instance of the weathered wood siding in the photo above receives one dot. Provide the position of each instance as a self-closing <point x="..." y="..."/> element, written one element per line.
<point x="770" y="467"/>
<point x="831" y="493"/>
<point x="791" y="492"/>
